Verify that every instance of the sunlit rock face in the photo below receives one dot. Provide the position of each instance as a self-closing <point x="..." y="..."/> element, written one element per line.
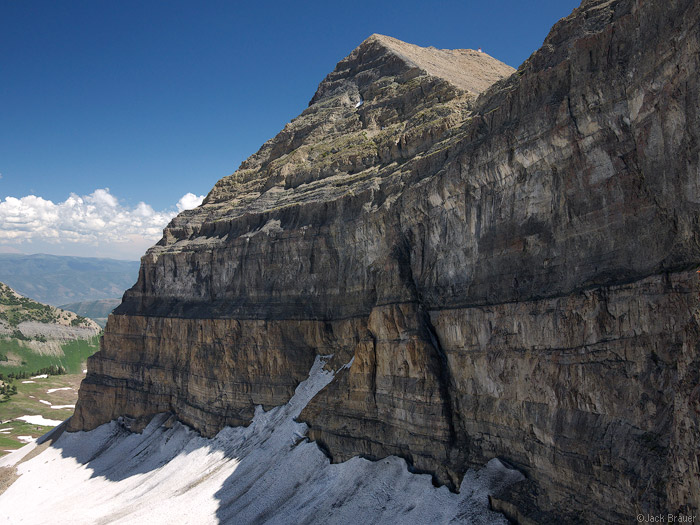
<point x="507" y="256"/>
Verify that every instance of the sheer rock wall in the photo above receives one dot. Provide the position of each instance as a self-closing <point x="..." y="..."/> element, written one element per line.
<point x="508" y="259"/>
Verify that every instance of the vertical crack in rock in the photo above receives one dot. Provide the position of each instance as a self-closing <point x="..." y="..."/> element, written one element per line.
<point x="459" y="442"/>
<point x="506" y="254"/>
<point x="456" y="445"/>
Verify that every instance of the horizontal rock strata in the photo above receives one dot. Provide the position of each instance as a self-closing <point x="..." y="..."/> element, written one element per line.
<point x="508" y="262"/>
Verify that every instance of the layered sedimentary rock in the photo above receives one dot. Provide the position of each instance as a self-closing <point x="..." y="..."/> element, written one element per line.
<point x="506" y="257"/>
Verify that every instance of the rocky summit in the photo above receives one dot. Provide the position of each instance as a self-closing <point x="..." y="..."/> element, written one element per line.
<point x="505" y="257"/>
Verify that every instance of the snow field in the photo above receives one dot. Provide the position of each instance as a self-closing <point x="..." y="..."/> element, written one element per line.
<point x="40" y="420"/>
<point x="266" y="472"/>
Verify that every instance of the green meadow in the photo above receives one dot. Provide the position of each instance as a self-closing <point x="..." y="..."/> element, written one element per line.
<point x="76" y="353"/>
<point x="34" y="397"/>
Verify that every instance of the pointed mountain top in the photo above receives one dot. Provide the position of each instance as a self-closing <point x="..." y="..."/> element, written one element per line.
<point x="467" y="69"/>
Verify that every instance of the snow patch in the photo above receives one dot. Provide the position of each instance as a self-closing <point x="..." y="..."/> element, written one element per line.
<point x="42" y="376"/>
<point x="348" y="364"/>
<point x="25" y="439"/>
<point x="45" y="402"/>
<point x="39" y="420"/>
<point x="52" y="390"/>
<point x="267" y="472"/>
<point x="25" y="382"/>
<point x="57" y="407"/>
<point x="85" y="371"/>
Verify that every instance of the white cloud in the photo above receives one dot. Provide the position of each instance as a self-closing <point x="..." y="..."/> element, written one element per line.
<point x="189" y="201"/>
<point x="94" y="224"/>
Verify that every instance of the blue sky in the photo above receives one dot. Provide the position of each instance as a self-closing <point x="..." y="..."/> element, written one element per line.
<point x="158" y="99"/>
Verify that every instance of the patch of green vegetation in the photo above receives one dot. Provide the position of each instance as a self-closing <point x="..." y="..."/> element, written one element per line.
<point x="16" y="334"/>
<point x="76" y="352"/>
<point x="9" y="346"/>
<point x="14" y="315"/>
<point x="353" y="143"/>
<point x="15" y="309"/>
<point x="78" y="321"/>
<point x="34" y="398"/>
<point x="53" y="370"/>
<point x="22" y="428"/>
<point x="7" y="442"/>
<point x="10" y="440"/>
<point x="27" y="402"/>
<point x="7" y="390"/>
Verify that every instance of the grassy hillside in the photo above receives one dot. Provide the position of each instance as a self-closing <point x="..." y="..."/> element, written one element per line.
<point x="51" y="397"/>
<point x="43" y="351"/>
<point x="15" y="309"/>
<point x="57" y="280"/>
<point x="16" y="357"/>
<point x="35" y="336"/>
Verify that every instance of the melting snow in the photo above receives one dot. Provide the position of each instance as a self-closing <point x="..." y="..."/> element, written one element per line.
<point x="85" y="371"/>
<point x="42" y="376"/>
<point x="25" y="382"/>
<point x="359" y="103"/>
<point x="40" y="420"/>
<point x="266" y="472"/>
<point x="25" y="439"/>
<point x="55" y="407"/>
<point x="52" y="390"/>
<point x="45" y="402"/>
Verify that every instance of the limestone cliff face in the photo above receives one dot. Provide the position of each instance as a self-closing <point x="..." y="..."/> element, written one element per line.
<point x="507" y="257"/>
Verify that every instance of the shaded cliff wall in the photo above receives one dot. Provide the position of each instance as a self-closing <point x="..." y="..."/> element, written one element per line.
<point x="581" y="173"/>
<point x="511" y="273"/>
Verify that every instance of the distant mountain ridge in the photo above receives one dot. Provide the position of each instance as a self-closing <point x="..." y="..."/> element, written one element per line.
<point x="35" y="336"/>
<point x="57" y="280"/>
<point x="16" y="311"/>
<point x="98" y="310"/>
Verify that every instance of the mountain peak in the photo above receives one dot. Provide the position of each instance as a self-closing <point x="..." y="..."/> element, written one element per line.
<point x="380" y="55"/>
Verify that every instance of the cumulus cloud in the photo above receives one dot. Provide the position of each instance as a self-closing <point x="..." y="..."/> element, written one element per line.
<point x="189" y="201"/>
<point x="95" y="220"/>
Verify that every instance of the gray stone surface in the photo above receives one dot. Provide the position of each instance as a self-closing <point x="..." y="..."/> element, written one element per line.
<point x="510" y="267"/>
